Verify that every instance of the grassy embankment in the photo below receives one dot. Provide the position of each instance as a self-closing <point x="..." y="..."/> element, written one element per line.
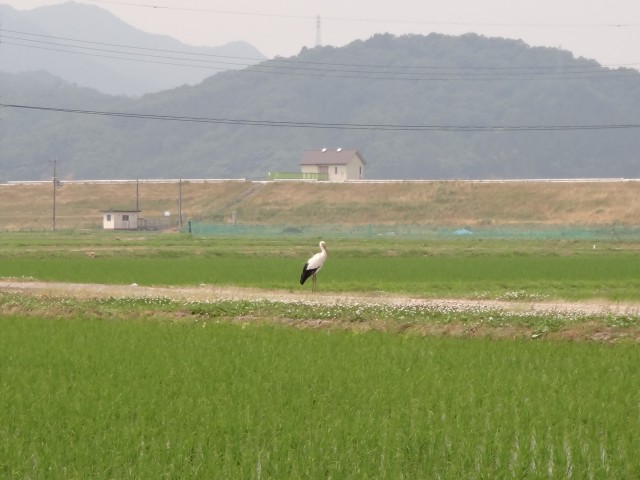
<point x="436" y="204"/>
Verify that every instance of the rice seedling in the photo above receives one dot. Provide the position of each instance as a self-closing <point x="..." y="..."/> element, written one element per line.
<point x="150" y="387"/>
<point x="615" y="276"/>
<point x="137" y="399"/>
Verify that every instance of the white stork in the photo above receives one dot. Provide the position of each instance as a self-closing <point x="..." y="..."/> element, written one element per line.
<point x="313" y="265"/>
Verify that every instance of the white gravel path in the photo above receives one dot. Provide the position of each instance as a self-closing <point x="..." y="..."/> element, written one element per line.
<point x="213" y="293"/>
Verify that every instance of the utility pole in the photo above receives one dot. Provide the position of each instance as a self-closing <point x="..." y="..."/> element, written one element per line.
<point x="318" y="32"/>
<point x="180" y="205"/>
<point x="55" y="185"/>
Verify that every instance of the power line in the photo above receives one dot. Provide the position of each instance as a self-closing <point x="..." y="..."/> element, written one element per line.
<point x="338" y="126"/>
<point x="133" y="56"/>
<point x="118" y="45"/>
<point x="327" y="69"/>
<point x="203" y="10"/>
<point x="303" y="62"/>
<point x="369" y="20"/>
<point x="267" y="68"/>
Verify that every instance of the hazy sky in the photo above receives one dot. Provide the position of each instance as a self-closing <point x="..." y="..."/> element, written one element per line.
<point x="605" y="30"/>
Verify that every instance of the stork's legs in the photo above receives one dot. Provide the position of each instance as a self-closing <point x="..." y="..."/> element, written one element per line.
<point x="314" y="286"/>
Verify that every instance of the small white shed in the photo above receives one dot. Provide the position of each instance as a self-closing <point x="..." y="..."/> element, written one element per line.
<point x="338" y="165"/>
<point x="120" y="219"/>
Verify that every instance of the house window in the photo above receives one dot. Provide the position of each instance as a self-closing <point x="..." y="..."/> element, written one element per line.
<point x="108" y="217"/>
<point x="336" y="170"/>
<point x="125" y="218"/>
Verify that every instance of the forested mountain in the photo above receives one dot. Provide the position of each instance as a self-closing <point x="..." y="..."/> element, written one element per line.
<point x="379" y="96"/>
<point x="89" y="46"/>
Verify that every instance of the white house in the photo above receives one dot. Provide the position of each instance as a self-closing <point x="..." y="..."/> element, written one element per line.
<point x="337" y="165"/>
<point x="120" y="220"/>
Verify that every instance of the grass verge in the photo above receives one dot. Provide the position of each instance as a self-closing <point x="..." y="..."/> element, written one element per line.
<point x="407" y="318"/>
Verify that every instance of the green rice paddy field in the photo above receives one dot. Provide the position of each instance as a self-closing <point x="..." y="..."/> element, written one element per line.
<point x="159" y="388"/>
<point x="455" y="268"/>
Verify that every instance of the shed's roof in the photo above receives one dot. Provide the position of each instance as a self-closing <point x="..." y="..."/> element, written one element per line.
<point x="117" y="210"/>
<point x="325" y="156"/>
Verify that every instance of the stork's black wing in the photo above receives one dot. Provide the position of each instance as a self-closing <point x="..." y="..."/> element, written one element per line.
<point x="306" y="273"/>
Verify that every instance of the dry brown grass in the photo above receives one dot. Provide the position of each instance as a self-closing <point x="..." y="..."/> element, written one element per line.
<point x="30" y="207"/>
<point x="445" y="203"/>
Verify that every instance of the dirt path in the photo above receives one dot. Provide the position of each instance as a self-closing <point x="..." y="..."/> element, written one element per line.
<point x="212" y="293"/>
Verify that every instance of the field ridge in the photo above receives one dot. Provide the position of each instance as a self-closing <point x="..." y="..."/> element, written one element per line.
<point x="593" y="320"/>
